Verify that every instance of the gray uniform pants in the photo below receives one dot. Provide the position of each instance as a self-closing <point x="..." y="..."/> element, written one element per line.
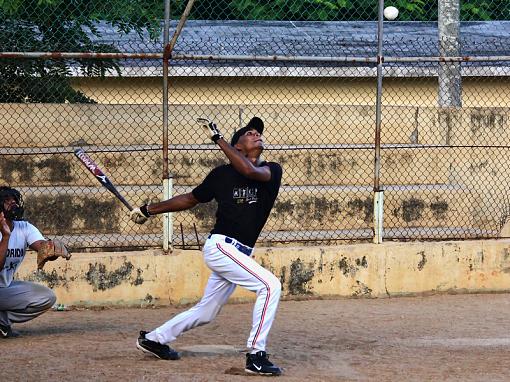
<point x="23" y="301"/>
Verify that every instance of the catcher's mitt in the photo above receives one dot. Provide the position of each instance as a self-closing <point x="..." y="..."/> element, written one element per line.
<point x="51" y="250"/>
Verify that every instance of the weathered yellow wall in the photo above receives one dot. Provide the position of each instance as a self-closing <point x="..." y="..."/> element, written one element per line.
<point x="486" y="92"/>
<point x="362" y="270"/>
<point x="451" y="187"/>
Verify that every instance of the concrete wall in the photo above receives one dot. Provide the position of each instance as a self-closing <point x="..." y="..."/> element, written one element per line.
<point x="64" y="125"/>
<point x="476" y="92"/>
<point x="428" y="183"/>
<point x="331" y="186"/>
<point x="362" y="270"/>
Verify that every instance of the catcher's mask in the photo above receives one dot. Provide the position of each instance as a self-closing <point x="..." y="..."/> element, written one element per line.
<point x="14" y="212"/>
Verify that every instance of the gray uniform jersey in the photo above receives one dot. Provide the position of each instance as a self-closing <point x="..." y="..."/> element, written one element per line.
<point x="23" y="235"/>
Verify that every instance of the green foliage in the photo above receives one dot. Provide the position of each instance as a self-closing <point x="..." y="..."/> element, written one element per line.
<point x="483" y="10"/>
<point x="281" y="9"/>
<point x="64" y="26"/>
<point x="414" y="10"/>
<point x="335" y="10"/>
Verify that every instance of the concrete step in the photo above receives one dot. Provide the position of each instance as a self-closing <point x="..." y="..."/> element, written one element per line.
<point x="94" y="210"/>
<point x="55" y="125"/>
<point x="190" y="240"/>
<point x="340" y="165"/>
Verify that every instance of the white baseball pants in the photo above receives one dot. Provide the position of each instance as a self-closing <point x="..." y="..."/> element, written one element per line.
<point x="230" y="267"/>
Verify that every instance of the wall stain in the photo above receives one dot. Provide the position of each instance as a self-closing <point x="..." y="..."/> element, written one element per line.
<point x="119" y="161"/>
<point x="268" y="266"/>
<point x="491" y="121"/>
<point x="308" y="165"/>
<point x="52" y="279"/>
<point x="101" y="279"/>
<point x="361" y="206"/>
<point x="313" y="165"/>
<point x="308" y="210"/>
<point x="346" y="267"/>
<point x="283" y="206"/>
<point x="362" y="262"/>
<point x="439" y="209"/>
<point x="506" y="253"/>
<point x="17" y="169"/>
<point x="361" y="290"/>
<point x="332" y="268"/>
<point x="412" y="209"/>
<point x="55" y="170"/>
<point x="321" y="261"/>
<point x="423" y="260"/>
<point x="139" y="279"/>
<point x="283" y="275"/>
<point x="449" y="126"/>
<point x="316" y="208"/>
<point x="211" y="162"/>
<point x="300" y="275"/>
<point x="205" y="213"/>
<point x="478" y="166"/>
<point x="59" y="214"/>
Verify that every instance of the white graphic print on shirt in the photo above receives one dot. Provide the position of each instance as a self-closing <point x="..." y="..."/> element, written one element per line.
<point x="23" y="235"/>
<point x="245" y="195"/>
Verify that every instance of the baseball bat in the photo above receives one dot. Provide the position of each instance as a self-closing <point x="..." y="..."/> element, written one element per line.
<point x="100" y="176"/>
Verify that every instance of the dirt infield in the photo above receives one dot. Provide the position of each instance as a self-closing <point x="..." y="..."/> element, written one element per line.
<point x="447" y="337"/>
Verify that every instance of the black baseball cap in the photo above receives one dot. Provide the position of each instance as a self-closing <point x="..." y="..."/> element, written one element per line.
<point x="254" y="124"/>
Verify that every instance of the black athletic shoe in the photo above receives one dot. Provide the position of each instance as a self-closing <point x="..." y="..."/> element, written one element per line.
<point x="258" y="363"/>
<point x="7" y="332"/>
<point x="155" y="348"/>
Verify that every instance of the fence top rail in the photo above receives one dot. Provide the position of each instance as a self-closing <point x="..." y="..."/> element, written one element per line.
<point x="274" y="58"/>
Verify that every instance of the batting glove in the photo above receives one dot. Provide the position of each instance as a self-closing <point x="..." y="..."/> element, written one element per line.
<point x="215" y="133"/>
<point x="139" y="215"/>
<point x="213" y="129"/>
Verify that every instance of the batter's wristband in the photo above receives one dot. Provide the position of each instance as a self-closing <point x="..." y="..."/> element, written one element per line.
<point x="215" y="137"/>
<point x="144" y="211"/>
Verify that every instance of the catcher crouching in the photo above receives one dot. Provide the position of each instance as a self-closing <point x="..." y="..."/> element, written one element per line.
<point x="21" y="301"/>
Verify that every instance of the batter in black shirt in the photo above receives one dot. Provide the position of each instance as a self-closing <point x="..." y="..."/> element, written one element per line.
<point x="243" y="204"/>
<point x="245" y="191"/>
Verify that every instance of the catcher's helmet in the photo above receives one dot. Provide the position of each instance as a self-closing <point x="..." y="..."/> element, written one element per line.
<point x="15" y="213"/>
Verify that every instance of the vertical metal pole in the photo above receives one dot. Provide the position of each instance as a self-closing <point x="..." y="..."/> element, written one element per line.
<point x="167" y="177"/>
<point x="167" y="54"/>
<point x="449" y="75"/>
<point x="378" y="193"/>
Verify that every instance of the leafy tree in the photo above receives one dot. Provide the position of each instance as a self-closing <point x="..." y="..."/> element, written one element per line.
<point x="335" y="10"/>
<point x="64" y="26"/>
<point x="484" y="10"/>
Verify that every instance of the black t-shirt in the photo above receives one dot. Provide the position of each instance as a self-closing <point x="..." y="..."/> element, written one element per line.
<point x="243" y="204"/>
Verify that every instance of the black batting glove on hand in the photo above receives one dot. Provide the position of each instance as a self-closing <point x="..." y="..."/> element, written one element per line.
<point x="215" y="133"/>
<point x="140" y="215"/>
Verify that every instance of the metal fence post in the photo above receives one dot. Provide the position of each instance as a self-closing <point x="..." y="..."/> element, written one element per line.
<point x="449" y="76"/>
<point x="167" y="54"/>
<point x="378" y="193"/>
<point x="167" y="177"/>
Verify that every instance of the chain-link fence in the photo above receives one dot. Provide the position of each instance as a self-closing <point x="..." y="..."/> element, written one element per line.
<point x="87" y="74"/>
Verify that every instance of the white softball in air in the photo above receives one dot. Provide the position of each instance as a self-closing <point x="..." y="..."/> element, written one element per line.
<point x="390" y="13"/>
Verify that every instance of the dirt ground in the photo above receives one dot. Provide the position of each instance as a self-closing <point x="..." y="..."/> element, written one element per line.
<point x="446" y="337"/>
